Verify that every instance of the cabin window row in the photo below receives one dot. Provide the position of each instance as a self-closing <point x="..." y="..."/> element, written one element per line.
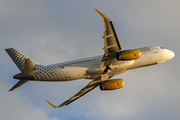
<point x="147" y="49"/>
<point x="80" y="62"/>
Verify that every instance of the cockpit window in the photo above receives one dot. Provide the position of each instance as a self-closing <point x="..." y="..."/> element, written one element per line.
<point x="162" y="48"/>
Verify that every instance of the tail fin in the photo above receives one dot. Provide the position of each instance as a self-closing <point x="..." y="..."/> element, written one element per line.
<point x="25" y="65"/>
<point x="18" y="58"/>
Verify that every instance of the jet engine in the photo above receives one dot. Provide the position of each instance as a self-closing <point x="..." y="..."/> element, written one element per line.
<point x="129" y="55"/>
<point x="112" y="84"/>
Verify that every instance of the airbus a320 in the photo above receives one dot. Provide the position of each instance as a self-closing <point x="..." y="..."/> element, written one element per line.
<point x="98" y="69"/>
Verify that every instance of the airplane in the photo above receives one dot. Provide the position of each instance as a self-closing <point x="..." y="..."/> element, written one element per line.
<point x="98" y="69"/>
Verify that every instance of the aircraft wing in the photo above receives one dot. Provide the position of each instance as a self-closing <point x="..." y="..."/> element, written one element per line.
<point x="92" y="84"/>
<point x="111" y="41"/>
<point x="111" y="45"/>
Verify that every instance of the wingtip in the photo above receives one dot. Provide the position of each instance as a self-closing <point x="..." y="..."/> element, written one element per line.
<point x="53" y="105"/>
<point x="11" y="89"/>
<point x="101" y="14"/>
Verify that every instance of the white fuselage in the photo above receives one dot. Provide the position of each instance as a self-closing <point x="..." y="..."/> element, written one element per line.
<point x="89" y="68"/>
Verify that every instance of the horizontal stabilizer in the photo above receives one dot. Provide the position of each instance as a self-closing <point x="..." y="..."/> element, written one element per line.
<point x="29" y="68"/>
<point x="21" y="82"/>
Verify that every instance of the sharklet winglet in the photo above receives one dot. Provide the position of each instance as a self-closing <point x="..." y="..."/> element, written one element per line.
<point x="53" y="105"/>
<point x="101" y="14"/>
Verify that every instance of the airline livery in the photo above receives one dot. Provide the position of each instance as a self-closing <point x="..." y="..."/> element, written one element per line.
<point x="98" y="69"/>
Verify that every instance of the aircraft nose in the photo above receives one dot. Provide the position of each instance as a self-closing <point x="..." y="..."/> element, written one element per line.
<point x="171" y="54"/>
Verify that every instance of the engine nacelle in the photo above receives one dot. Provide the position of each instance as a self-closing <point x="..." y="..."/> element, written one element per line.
<point x="112" y="84"/>
<point x="129" y="55"/>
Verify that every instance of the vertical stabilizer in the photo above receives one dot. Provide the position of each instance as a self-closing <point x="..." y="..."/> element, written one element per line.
<point x="18" y="58"/>
<point x="25" y="65"/>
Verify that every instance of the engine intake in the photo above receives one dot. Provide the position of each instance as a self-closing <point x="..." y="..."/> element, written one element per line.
<point x="129" y="55"/>
<point x="112" y="84"/>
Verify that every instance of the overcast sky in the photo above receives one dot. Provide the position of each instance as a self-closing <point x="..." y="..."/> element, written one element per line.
<point x="54" y="31"/>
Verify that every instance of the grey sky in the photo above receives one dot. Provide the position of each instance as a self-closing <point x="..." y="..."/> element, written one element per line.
<point x="56" y="31"/>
